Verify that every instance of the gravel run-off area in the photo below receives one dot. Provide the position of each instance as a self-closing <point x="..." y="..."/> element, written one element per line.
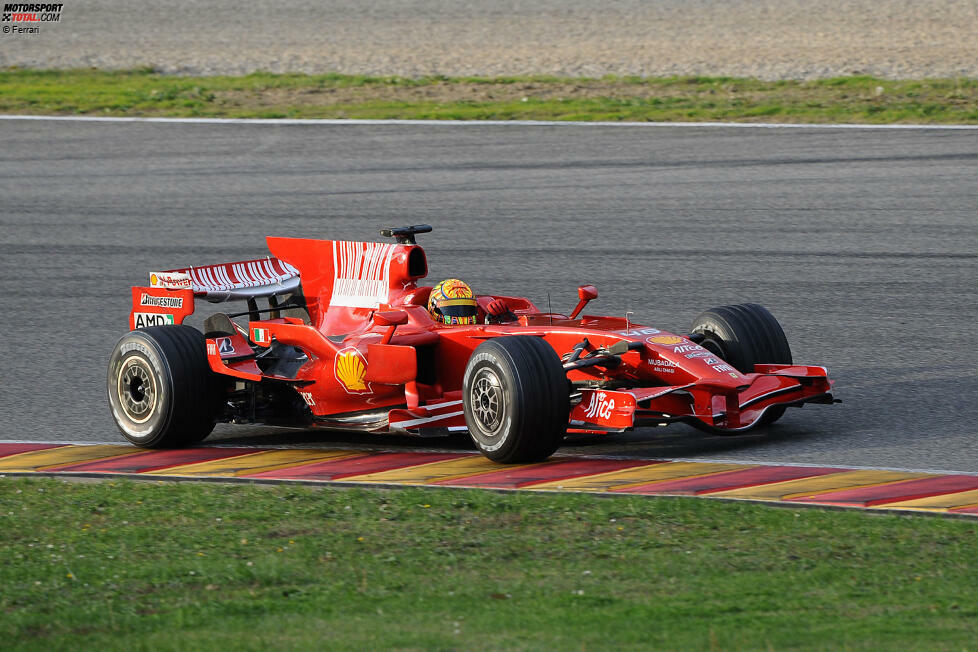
<point x="767" y="39"/>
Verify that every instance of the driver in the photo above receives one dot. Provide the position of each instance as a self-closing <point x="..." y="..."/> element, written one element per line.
<point x="453" y="303"/>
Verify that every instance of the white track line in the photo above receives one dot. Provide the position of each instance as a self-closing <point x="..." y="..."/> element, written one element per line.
<point x="702" y="460"/>
<point x="480" y="123"/>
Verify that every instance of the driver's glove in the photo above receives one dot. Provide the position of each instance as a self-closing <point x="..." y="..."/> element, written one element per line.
<point x="497" y="312"/>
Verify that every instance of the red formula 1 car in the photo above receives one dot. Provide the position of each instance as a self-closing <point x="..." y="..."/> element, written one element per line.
<point x="349" y="340"/>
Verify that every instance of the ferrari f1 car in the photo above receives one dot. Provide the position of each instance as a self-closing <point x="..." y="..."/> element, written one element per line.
<point x="347" y="341"/>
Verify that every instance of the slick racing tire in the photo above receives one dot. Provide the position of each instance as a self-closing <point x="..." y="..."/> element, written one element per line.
<point x="744" y="335"/>
<point x="162" y="392"/>
<point x="516" y="399"/>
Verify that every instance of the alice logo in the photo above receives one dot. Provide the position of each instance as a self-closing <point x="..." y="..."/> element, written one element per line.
<point x="599" y="407"/>
<point x="351" y="370"/>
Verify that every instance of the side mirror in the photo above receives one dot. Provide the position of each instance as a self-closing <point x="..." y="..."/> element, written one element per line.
<point x="622" y="347"/>
<point x="619" y="348"/>
<point x="390" y="319"/>
<point x="585" y="293"/>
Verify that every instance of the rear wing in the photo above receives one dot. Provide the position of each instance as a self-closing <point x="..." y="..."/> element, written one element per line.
<point x="170" y="296"/>
<point x="246" y="279"/>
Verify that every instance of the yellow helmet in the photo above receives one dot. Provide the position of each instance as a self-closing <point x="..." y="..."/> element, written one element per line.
<point x="452" y="302"/>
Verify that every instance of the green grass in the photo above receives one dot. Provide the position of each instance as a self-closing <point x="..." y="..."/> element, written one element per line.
<point x="135" y="565"/>
<point x="264" y="95"/>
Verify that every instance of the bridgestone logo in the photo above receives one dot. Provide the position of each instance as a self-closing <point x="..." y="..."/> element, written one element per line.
<point x="161" y="302"/>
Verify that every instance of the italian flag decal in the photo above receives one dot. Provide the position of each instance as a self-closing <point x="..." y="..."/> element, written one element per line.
<point x="261" y="336"/>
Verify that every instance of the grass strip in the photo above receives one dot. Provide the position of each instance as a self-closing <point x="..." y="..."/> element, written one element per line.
<point x="175" y="566"/>
<point x="262" y="95"/>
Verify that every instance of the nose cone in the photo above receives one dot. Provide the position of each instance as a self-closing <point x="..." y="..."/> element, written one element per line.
<point x="666" y="351"/>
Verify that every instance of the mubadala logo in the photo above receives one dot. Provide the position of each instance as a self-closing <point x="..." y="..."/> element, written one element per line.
<point x="144" y="319"/>
<point x="161" y="302"/>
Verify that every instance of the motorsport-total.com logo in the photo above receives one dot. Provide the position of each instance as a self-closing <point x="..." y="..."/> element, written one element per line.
<point x="28" y="16"/>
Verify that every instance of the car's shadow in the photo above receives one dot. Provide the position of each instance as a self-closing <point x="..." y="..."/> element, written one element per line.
<point x="677" y="441"/>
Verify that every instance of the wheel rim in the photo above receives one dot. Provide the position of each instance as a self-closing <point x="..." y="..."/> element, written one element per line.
<point x="487" y="401"/>
<point x="136" y="389"/>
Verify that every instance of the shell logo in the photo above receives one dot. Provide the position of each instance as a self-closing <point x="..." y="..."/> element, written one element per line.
<point x="154" y="280"/>
<point x="350" y="368"/>
<point x="665" y="339"/>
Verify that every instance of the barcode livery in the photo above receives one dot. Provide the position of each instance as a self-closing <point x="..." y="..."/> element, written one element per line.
<point x="361" y="274"/>
<point x="221" y="282"/>
<point x="249" y="273"/>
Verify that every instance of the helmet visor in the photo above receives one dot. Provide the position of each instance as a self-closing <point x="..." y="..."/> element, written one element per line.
<point x="465" y="310"/>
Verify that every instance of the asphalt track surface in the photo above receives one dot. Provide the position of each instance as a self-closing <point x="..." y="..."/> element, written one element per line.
<point x="863" y="243"/>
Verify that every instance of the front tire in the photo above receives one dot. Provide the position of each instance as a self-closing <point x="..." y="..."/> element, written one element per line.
<point x="744" y="335"/>
<point x="162" y="392"/>
<point x="516" y="399"/>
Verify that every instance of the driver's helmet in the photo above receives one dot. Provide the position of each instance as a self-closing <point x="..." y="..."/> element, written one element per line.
<point x="452" y="302"/>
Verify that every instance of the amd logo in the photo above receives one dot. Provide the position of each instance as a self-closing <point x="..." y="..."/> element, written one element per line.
<point x="144" y="319"/>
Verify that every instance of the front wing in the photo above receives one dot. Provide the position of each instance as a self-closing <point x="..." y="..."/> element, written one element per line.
<point x="704" y="405"/>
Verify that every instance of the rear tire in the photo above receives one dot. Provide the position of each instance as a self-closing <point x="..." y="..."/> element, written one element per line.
<point x="162" y="392"/>
<point x="744" y="335"/>
<point x="516" y="399"/>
